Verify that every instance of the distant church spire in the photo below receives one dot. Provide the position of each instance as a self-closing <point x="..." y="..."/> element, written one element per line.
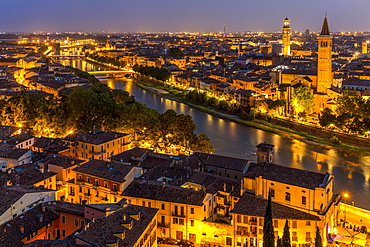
<point x="325" y="27"/>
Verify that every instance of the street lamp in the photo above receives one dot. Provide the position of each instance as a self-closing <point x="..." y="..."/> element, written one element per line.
<point x="345" y="207"/>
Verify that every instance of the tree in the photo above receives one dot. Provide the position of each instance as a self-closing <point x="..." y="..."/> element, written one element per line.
<point x="279" y="242"/>
<point x="202" y="144"/>
<point x="352" y="103"/>
<point x="42" y="49"/>
<point x="318" y="241"/>
<point x="268" y="228"/>
<point x="175" y="52"/>
<point x="286" y="236"/>
<point x="302" y="100"/>
<point x="326" y="118"/>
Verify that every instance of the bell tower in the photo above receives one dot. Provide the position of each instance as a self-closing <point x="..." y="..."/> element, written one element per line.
<point x="324" y="61"/>
<point x="286" y="37"/>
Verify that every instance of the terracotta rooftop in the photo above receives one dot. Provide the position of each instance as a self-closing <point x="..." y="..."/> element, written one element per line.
<point x="14" y="140"/>
<point x="27" y="174"/>
<point x="67" y="207"/>
<point x="230" y="163"/>
<point x="61" y="160"/>
<point x="287" y="175"/>
<point x="14" y="153"/>
<point x="162" y="192"/>
<point x="96" y="138"/>
<point x="10" y="232"/>
<point x="54" y="243"/>
<point x="100" y="232"/>
<point x="254" y="206"/>
<point x="108" y="170"/>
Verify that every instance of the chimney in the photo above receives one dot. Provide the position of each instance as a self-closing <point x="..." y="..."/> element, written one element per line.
<point x="224" y="186"/>
<point x="21" y="228"/>
<point x="43" y="208"/>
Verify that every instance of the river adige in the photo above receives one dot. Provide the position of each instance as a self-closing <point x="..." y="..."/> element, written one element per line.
<point x="352" y="173"/>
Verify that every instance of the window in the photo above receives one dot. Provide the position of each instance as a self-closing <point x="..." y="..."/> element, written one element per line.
<point x="191" y="222"/>
<point x="149" y="204"/>
<point x="76" y="222"/>
<point x="163" y="207"/>
<point x="64" y="233"/>
<point x="245" y="219"/>
<point x="175" y="220"/>
<point x="238" y="218"/>
<point x="276" y="223"/>
<point x="308" y="223"/>
<point x="294" y="224"/>
<point x="96" y="182"/>
<point x="287" y="196"/>
<point x="229" y="241"/>
<point x="304" y="200"/>
<point x="143" y="204"/>
<point x="88" y="179"/>
<point x="114" y="187"/>
<point x="105" y="184"/>
<point x="63" y="219"/>
<point x="97" y="193"/>
<point x="192" y="210"/>
<point x="181" y="222"/>
<point x="163" y="219"/>
<point x="80" y="189"/>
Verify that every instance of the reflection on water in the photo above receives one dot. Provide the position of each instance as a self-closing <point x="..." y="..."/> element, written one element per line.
<point x="352" y="173"/>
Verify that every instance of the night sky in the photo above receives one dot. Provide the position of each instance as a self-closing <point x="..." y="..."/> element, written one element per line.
<point x="181" y="15"/>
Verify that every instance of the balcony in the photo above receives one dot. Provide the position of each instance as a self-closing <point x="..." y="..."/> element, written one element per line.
<point x="105" y="198"/>
<point x="253" y="234"/>
<point x="87" y="194"/>
<point x="72" y="194"/>
<point x="177" y="214"/>
<point x="165" y="225"/>
<point x="295" y="239"/>
<point x="308" y="240"/>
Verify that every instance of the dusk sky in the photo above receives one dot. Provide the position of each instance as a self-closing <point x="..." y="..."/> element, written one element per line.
<point x="181" y="15"/>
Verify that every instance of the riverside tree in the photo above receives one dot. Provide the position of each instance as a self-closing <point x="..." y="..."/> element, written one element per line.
<point x="303" y="100"/>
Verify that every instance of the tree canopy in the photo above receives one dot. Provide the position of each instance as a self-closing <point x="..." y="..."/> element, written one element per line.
<point x="175" y="52"/>
<point x="99" y="107"/>
<point x="302" y="100"/>
<point x="351" y="114"/>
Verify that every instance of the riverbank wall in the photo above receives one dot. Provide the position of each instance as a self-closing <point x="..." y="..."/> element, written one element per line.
<point x="318" y="131"/>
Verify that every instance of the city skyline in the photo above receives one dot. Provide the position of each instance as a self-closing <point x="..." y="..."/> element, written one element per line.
<point x="172" y="16"/>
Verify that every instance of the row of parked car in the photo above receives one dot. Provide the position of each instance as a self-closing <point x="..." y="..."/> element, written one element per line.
<point x="172" y="241"/>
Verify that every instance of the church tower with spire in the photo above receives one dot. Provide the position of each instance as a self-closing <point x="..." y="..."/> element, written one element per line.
<point x="286" y="37"/>
<point x="324" y="61"/>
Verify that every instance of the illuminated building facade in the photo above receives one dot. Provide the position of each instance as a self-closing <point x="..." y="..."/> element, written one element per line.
<point x="99" y="145"/>
<point x="99" y="181"/>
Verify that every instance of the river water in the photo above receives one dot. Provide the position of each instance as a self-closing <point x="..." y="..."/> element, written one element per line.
<point x="352" y="173"/>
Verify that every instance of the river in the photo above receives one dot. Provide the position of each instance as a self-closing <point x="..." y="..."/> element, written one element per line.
<point x="352" y="173"/>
